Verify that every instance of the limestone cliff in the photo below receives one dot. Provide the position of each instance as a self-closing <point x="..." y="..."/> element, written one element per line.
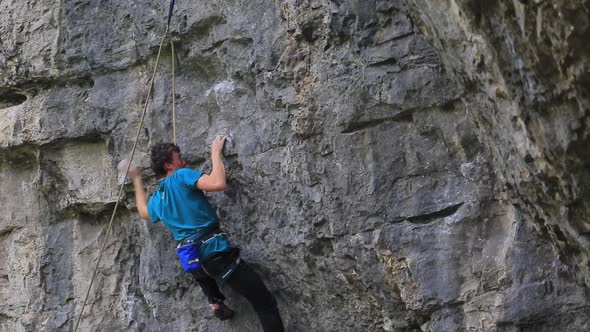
<point x="400" y="165"/>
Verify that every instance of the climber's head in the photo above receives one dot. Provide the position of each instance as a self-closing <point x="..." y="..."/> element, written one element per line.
<point x="165" y="159"/>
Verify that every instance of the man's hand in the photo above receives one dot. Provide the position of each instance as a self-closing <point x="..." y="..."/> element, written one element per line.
<point x="216" y="180"/>
<point x="134" y="171"/>
<point x="217" y="145"/>
<point x="140" y="195"/>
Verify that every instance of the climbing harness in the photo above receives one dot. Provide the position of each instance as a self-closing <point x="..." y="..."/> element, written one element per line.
<point x="222" y="265"/>
<point x="120" y="192"/>
<point x="188" y="250"/>
<point x="199" y="248"/>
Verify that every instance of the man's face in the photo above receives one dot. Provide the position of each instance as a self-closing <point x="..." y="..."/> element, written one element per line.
<point x="177" y="162"/>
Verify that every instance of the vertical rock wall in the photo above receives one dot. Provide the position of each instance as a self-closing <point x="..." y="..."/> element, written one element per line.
<point x="393" y="165"/>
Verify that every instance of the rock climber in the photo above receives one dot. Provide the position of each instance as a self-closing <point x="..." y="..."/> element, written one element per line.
<point x="179" y="202"/>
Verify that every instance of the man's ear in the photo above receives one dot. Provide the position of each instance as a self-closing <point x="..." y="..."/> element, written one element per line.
<point x="167" y="166"/>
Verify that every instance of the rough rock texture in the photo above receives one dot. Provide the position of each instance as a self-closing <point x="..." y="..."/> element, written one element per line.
<point x="401" y="165"/>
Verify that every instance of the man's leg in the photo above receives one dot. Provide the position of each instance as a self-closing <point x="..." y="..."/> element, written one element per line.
<point x="209" y="287"/>
<point x="248" y="284"/>
<point x="213" y="294"/>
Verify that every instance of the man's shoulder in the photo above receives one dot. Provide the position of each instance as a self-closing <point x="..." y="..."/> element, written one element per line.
<point x="184" y="177"/>
<point x="152" y="197"/>
<point x="186" y="171"/>
<point x="187" y="174"/>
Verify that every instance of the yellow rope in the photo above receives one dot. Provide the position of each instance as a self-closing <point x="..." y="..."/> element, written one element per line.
<point x="150" y="88"/>
<point x="173" y="93"/>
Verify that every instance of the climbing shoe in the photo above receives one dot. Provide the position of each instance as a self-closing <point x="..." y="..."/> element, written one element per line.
<point x="222" y="312"/>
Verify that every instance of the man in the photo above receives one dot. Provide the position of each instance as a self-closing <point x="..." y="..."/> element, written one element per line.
<point x="180" y="204"/>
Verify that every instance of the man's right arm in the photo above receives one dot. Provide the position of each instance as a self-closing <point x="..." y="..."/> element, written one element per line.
<point x="140" y="195"/>
<point x="216" y="180"/>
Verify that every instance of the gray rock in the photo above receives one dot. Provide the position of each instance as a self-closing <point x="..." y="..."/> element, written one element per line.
<point x="392" y="165"/>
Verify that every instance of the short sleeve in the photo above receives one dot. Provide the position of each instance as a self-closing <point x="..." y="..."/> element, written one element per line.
<point x="151" y="211"/>
<point x="188" y="177"/>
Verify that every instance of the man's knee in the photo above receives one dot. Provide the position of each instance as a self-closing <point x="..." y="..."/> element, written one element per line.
<point x="200" y="275"/>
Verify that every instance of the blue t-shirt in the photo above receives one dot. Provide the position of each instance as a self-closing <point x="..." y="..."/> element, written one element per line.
<point x="180" y="205"/>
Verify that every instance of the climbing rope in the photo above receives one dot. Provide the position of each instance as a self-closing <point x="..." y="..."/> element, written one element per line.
<point x="173" y="76"/>
<point x="145" y="107"/>
<point x="173" y="93"/>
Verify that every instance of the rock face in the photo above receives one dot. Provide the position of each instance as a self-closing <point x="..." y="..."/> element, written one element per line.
<point x="401" y="165"/>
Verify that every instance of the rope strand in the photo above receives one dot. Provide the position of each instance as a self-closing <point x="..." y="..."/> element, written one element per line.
<point x="173" y="93"/>
<point x="119" y="194"/>
<point x="145" y="107"/>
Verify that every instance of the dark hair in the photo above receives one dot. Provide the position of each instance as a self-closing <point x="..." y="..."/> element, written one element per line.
<point x="160" y="154"/>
